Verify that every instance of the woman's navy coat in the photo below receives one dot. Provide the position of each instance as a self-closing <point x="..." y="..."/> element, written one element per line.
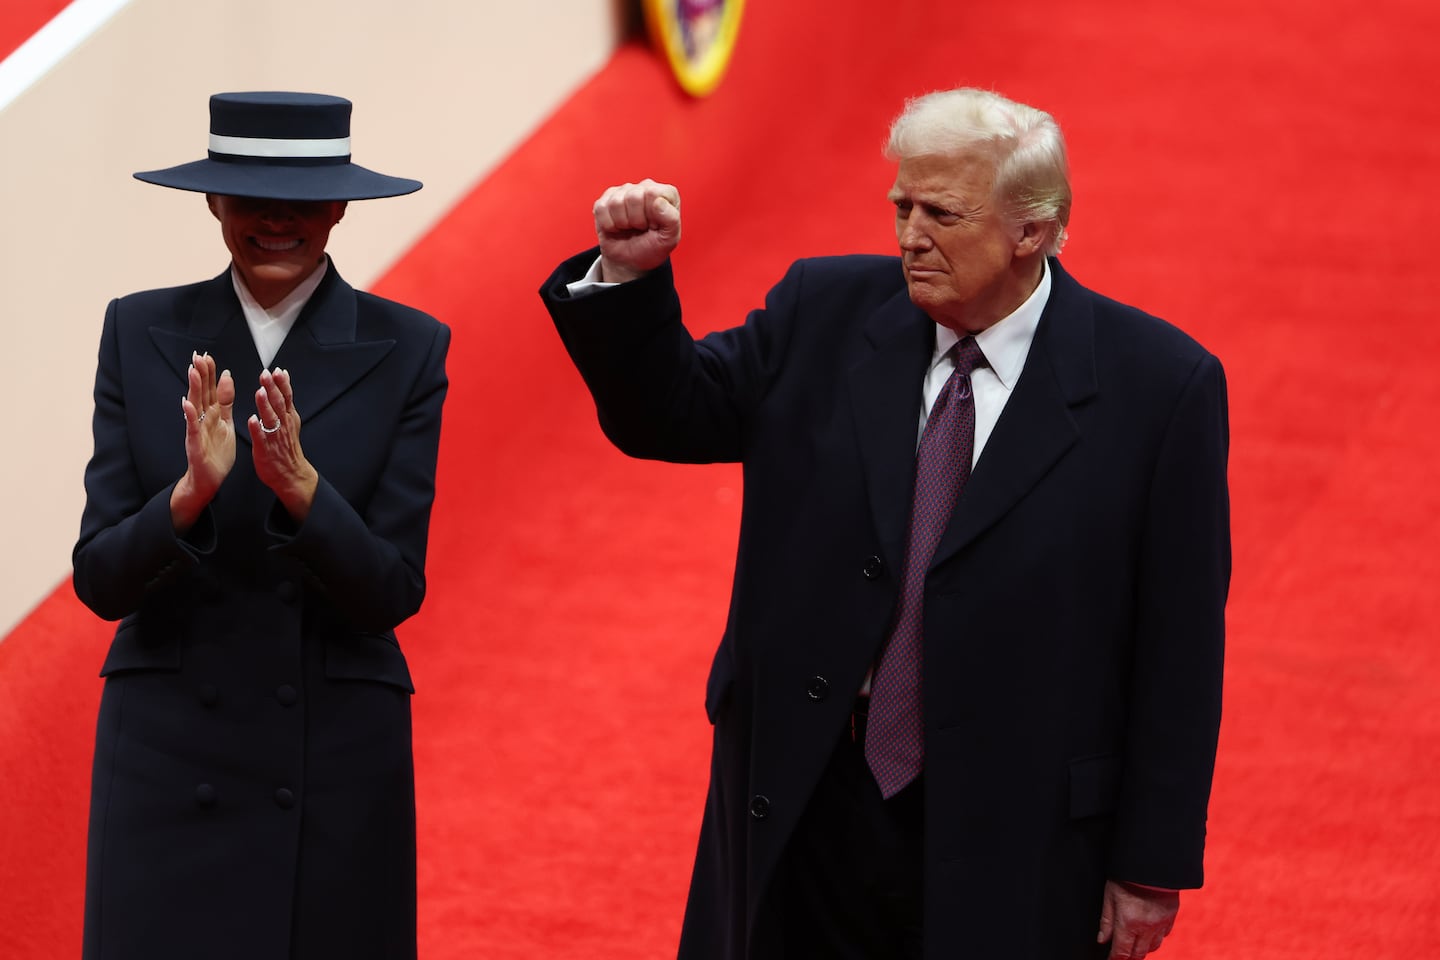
<point x="253" y="790"/>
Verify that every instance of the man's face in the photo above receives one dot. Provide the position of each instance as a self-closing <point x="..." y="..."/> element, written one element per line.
<point x="957" y="247"/>
<point x="275" y="244"/>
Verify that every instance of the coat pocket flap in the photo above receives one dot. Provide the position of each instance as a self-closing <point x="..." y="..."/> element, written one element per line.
<point x="151" y="646"/>
<point x="1094" y="786"/>
<point x="368" y="656"/>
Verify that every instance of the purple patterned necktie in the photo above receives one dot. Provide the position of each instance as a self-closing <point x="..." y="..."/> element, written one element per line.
<point x="895" y="729"/>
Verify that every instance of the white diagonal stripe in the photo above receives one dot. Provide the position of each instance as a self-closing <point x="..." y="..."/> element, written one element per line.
<point x="51" y="44"/>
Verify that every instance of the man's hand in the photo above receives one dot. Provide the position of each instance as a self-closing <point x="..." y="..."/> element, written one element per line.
<point x="209" y="440"/>
<point x="637" y="224"/>
<point x="1135" y="919"/>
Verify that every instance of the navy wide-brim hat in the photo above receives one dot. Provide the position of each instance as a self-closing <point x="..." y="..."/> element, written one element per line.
<point x="280" y="146"/>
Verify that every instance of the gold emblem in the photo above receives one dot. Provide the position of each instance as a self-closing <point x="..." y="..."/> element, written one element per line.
<point x="697" y="36"/>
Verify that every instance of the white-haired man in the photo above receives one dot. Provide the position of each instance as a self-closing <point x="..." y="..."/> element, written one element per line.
<point x="967" y="700"/>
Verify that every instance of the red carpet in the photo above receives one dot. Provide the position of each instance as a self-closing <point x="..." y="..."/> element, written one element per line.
<point x="1261" y="174"/>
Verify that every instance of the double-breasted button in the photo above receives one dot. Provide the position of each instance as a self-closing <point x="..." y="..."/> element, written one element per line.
<point x="206" y="795"/>
<point x="284" y="798"/>
<point x="760" y="806"/>
<point x="817" y="689"/>
<point x="287" y="695"/>
<point x="873" y="568"/>
<point x="287" y="591"/>
<point x="208" y="694"/>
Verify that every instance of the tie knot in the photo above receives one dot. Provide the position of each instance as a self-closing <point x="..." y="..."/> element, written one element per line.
<point x="967" y="356"/>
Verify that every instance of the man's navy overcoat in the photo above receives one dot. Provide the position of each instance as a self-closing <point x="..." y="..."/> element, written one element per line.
<point x="1074" y="611"/>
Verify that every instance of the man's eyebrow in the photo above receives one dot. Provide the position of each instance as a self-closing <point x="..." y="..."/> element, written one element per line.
<point x="938" y="201"/>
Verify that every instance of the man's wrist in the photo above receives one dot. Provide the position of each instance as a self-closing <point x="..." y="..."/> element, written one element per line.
<point x="617" y="273"/>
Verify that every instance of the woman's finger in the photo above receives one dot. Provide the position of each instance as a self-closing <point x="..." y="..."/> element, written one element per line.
<point x="203" y="366"/>
<point x="193" y="384"/>
<point x="225" y="395"/>
<point x="270" y="419"/>
<point x="257" y="436"/>
<point x="273" y="392"/>
<point x="282" y="380"/>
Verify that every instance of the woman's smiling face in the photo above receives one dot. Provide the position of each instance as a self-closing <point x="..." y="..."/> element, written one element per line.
<point x="275" y="244"/>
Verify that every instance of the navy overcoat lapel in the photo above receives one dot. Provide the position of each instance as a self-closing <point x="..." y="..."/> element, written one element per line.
<point x="1037" y="425"/>
<point x="885" y="390"/>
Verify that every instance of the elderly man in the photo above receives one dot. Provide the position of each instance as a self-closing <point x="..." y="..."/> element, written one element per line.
<point x="967" y="700"/>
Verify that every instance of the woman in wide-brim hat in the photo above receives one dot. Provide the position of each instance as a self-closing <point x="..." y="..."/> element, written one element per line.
<point x="253" y="789"/>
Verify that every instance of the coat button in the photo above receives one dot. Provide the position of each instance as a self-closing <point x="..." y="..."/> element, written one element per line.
<point x="818" y="688"/>
<point x="284" y="798"/>
<point x="205" y="795"/>
<point x="760" y="806"/>
<point x="286" y="694"/>
<point x="873" y="568"/>
<point x="287" y="591"/>
<point x="208" y="694"/>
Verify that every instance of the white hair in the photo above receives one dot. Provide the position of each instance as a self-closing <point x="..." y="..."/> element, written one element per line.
<point x="1032" y="176"/>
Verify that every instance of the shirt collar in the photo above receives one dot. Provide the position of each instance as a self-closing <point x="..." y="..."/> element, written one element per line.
<point x="1006" y="343"/>
<point x="287" y="309"/>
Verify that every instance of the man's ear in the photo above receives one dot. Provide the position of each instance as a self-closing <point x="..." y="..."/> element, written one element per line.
<point x="340" y="211"/>
<point x="1033" y="238"/>
<point x="213" y="202"/>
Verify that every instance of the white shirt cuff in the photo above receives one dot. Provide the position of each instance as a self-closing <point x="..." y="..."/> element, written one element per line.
<point x="589" y="283"/>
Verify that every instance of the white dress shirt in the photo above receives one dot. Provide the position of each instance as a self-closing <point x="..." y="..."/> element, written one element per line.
<point x="269" y="327"/>
<point x="1005" y="344"/>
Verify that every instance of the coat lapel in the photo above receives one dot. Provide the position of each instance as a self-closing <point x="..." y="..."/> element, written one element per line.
<point x="885" y="390"/>
<point x="321" y="351"/>
<point x="1036" y="427"/>
<point x="216" y="326"/>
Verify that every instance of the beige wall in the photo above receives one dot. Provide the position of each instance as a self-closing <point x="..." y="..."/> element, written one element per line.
<point x="443" y="90"/>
